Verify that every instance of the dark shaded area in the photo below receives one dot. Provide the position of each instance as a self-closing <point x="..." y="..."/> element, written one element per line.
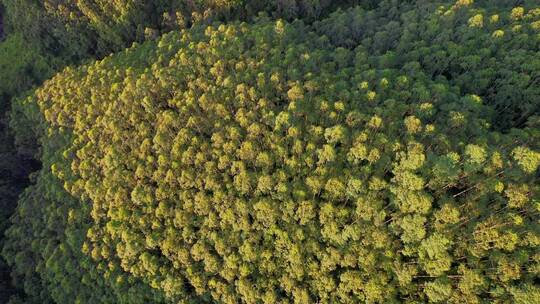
<point x="18" y="73"/>
<point x="14" y="178"/>
<point x="1" y="22"/>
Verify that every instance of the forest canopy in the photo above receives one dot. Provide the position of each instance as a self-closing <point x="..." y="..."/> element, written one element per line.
<point x="374" y="153"/>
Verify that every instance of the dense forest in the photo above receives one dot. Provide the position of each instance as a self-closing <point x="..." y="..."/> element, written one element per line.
<point x="269" y="151"/>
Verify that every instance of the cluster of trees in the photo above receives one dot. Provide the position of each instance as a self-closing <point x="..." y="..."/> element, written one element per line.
<point x="478" y="48"/>
<point x="18" y="72"/>
<point x="78" y="29"/>
<point x="38" y="38"/>
<point x="388" y="153"/>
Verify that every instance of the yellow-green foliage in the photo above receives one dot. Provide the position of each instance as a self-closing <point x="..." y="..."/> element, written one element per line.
<point x="496" y="59"/>
<point x="77" y="29"/>
<point x="271" y="163"/>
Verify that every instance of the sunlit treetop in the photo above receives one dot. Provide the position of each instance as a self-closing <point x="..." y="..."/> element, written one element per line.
<point x="277" y="162"/>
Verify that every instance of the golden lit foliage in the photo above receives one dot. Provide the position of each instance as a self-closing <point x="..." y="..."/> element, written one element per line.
<point x="279" y="162"/>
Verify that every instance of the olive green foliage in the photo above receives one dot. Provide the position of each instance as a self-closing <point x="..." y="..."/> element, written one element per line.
<point x="483" y="50"/>
<point x="389" y="153"/>
<point x="279" y="162"/>
<point x="77" y="29"/>
<point x="21" y="66"/>
<point x="43" y="36"/>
